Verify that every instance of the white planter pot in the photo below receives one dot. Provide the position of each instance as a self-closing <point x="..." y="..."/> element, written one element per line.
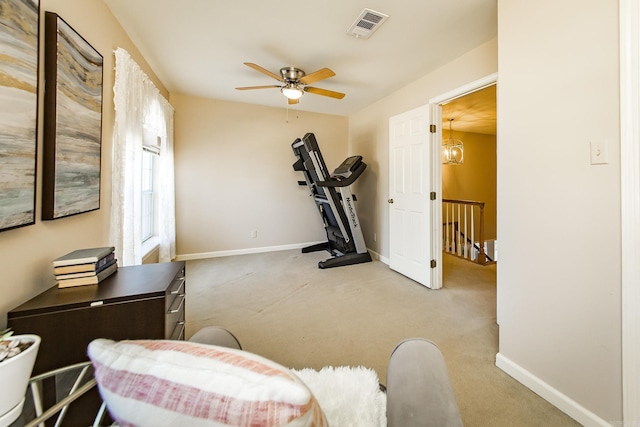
<point x="14" y="377"/>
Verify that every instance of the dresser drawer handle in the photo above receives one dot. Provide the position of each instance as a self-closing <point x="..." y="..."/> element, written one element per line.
<point x="177" y="310"/>
<point x="179" y="288"/>
<point x="178" y="331"/>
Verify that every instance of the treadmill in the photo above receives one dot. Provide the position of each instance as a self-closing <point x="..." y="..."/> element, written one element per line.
<point x="335" y="202"/>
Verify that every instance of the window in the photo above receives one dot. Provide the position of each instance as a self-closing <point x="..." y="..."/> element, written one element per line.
<point x="142" y="199"/>
<point x="148" y="190"/>
<point x="147" y="217"/>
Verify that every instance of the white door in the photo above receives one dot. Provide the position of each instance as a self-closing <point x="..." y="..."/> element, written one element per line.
<point x="409" y="195"/>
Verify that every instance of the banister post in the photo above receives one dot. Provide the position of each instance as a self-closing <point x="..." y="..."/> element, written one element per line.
<point x="482" y="256"/>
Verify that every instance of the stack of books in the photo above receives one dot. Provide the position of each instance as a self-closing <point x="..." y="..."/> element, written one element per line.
<point x="85" y="267"/>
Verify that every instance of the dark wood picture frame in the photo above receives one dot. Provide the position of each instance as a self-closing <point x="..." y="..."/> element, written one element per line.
<point x="19" y="41"/>
<point x="72" y="122"/>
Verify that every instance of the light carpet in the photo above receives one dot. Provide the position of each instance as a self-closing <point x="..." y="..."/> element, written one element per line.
<point x="280" y="305"/>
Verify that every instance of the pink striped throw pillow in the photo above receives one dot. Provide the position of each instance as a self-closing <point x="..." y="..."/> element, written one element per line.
<point x="180" y="383"/>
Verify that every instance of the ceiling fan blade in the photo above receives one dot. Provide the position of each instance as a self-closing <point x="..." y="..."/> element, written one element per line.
<point x="324" y="92"/>
<point x="316" y="76"/>
<point x="293" y="101"/>
<point x="256" y="87"/>
<point x="263" y="71"/>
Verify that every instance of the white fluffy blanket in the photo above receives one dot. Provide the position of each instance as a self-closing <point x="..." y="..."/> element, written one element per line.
<point x="349" y="397"/>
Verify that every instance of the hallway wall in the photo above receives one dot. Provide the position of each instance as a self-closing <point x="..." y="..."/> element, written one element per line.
<point x="475" y="179"/>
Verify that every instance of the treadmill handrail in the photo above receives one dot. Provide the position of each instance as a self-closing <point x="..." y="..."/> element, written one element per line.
<point x="344" y="182"/>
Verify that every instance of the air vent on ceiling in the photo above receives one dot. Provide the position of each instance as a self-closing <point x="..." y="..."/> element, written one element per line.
<point x="365" y="24"/>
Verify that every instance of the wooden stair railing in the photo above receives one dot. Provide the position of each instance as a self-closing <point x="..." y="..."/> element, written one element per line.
<point x="459" y="233"/>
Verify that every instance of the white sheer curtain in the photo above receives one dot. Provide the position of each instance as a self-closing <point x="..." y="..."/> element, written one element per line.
<point x="136" y="100"/>
<point x="166" y="199"/>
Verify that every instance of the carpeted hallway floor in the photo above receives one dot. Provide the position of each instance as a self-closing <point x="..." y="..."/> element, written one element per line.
<point x="281" y="306"/>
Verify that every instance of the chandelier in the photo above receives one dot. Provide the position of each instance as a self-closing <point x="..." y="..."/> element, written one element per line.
<point x="452" y="149"/>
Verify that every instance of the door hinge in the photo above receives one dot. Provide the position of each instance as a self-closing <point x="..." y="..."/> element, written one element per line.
<point x="433" y="195"/>
<point x="433" y="263"/>
<point x="432" y="128"/>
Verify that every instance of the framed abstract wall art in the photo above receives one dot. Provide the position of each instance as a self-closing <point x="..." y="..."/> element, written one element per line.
<point x="19" y="22"/>
<point x="72" y="122"/>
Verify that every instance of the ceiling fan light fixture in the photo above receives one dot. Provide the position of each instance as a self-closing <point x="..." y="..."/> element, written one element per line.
<point x="292" y="91"/>
<point x="296" y="82"/>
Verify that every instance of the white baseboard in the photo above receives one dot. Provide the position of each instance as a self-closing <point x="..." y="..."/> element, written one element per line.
<point x="375" y="255"/>
<point x="550" y="394"/>
<point x="216" y="254"/>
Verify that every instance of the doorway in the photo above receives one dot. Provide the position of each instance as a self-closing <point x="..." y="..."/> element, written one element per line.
<point x="426" y="149"/>
<point x="469" y="176"/>
<point x="486" y="124"/>
<point x="453" y="104"/>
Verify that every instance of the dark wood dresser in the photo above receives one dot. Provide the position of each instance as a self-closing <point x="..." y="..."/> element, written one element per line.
<point x="136" y="302"/>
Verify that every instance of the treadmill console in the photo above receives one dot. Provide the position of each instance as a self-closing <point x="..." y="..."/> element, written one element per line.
<point x="347" y="167"/>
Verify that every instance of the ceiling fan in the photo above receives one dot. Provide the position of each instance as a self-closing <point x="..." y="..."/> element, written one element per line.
<point x="295" y="82"/>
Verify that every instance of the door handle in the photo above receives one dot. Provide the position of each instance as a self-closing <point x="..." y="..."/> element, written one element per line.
<point x="390" y="201"/>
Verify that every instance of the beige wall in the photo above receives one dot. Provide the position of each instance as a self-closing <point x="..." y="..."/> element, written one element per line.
<point x="369" y="134"/>
<point x="27" y="252"/>
<point x="475" y="179"/>
<point x="234" y="174"/>
<point x="559" y="275"/>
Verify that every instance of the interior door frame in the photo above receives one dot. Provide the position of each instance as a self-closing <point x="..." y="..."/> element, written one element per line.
<point x="435" y="105"/>
<point x="629" y="17"/>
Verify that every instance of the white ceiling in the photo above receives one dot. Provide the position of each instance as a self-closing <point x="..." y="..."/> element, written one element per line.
<point x="197" y="47"/>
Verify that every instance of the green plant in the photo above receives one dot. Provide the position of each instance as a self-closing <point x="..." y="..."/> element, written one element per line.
<point x="10" y="348"/>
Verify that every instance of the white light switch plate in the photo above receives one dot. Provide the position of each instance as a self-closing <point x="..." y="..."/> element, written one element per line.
<point x="599" y="153"/>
